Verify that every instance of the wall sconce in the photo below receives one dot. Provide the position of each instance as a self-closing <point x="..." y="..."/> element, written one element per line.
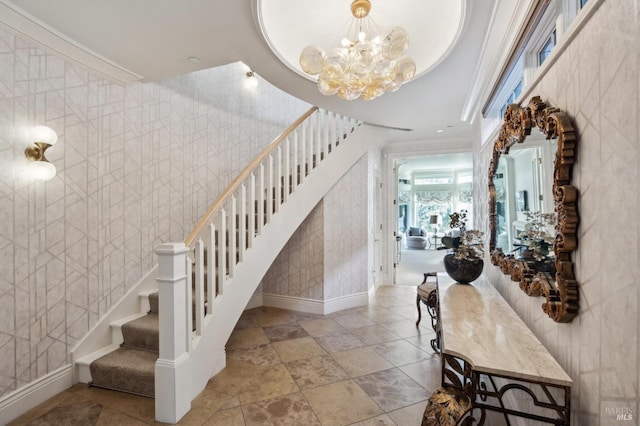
<point x="252" y="80"/>
<point x="43" y="137"/>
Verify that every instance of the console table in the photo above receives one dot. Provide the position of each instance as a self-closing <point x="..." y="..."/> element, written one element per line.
<point x="492" y="356"/>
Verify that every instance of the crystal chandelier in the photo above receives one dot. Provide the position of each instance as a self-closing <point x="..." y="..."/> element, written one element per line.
<point x="366" y="65"/>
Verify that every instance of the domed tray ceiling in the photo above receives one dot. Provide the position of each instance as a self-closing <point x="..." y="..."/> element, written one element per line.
<point x="289" y="26"/>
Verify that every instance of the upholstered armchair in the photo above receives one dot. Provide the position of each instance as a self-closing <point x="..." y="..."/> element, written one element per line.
<point x="416" y="238"/>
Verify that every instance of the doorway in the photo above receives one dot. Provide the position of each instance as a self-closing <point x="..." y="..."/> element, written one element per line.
<point x="429" y="189"/>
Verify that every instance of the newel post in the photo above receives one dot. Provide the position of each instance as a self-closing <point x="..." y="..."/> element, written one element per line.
<point x="172" y="383"/>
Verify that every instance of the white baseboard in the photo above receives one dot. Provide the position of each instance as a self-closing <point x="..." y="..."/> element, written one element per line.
<point x="255" y="302"/>
<point x="372" y="293"/>
<point x="35" y="393"/>
<point x="313" y="306"/>
<point x="220" y="362"/>
<point x="346" y="302"/>
<point x="310" y="306"/>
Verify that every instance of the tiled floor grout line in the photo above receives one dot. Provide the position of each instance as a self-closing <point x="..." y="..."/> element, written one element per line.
<point x="362" y="366"/>
<point x="350" y="331"/>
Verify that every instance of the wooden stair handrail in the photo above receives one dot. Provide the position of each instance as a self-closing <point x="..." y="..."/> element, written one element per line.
<point x="204" y="220"/>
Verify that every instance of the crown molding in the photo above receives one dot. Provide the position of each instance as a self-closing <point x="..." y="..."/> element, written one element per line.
<point x="41" y="34"/>
<point x="419" y="147"/>
<point x="507" y="19"/>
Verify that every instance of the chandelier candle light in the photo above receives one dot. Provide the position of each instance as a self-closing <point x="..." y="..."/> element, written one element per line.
<point x="366" y="65"/>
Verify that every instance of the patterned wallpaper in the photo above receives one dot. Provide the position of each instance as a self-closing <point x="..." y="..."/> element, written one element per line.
<point x="596" y="82"/>
<point x="137" y="165"/>
<point x="298" y="269"/>
<point x="327" y="256"/>
<point x="346" y="233"/>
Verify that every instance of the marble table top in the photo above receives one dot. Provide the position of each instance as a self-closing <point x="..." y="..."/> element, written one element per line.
<point x="480" y="327"/>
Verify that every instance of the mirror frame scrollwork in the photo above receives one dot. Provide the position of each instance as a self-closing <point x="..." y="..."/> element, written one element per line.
<point x="561" y="291"/>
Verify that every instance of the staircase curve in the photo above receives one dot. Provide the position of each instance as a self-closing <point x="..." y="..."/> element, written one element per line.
<point x="205" y="282"/>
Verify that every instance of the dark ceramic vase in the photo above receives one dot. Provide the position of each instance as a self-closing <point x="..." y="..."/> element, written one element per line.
<point x="546" y="265"/>
<point x="462" y="270"/>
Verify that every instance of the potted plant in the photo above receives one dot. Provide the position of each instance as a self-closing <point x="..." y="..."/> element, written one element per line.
<point x="536" y="241"/>
<point x="464" y="264"/>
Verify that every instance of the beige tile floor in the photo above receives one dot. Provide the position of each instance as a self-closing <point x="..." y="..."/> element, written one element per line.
<point x="363" y="366"/>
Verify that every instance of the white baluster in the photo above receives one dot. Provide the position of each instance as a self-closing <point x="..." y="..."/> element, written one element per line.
<point x="242" y="226"/>
<point x="260" y="191"/>
<point x="332" y="130"/>
<point x="303" y="151"/>
<point x="252" y="210"/>
<point x="280" y="183"/>
<point x="270" y="189"/>
<point x="288" y="176"/>
<point x="189" y="297"/>
<point x="325" y="134"/>
<point x="318" y="137"/>
<point x="222" y="250"/>
<point x="199" y="287"/>
<point x="211" y="268"/>
<point x="233" y="228"/>
<point x="310" y="142"/>
<point x="296" y="169"/>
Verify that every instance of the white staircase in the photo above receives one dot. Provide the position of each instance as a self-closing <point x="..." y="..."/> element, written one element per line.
<point x="205" y="282"/>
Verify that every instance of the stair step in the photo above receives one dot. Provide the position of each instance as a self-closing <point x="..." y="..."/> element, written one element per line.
<point x="143" y="333"/>
<point x="153" y="302"/>
<point x="116" y="327"/>
<point x="126" y="369"/>
<point x="83" y="364"/>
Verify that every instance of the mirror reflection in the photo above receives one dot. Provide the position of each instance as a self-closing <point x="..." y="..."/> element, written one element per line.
<point x="533" y="207"/>
<point x="525" y="216"/>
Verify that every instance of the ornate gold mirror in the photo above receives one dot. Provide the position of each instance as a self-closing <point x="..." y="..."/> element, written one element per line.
<point x="533" y="212"/>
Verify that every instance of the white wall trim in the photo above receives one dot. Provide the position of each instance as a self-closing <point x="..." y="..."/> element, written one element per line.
<point x="372" y="292"/>
<point x="506" y="20"/>
<point x="314" y="306"/>
<point x="255" y="302"/>
<point x="101" y="334"/>
<point x="346" y="302"/>
<point x="35" y="393"/>
<point x="36" y="31"/>
<point x="420" y="148"/>
<point x="300" y="304"/>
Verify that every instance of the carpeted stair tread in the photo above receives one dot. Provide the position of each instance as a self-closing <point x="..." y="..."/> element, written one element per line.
<point x="142" y="333"/>
<point x="126" y="369"/>
<point x="153" y="303"/>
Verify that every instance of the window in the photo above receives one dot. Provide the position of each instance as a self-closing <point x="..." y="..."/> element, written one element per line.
<point x="465" y="178"/>
<point x="546" y="48"/>
<point x="433" y="181"/>
<point x="551" y="21"/>
<point x="517" y="90"/>
<point x="512" y="98"/>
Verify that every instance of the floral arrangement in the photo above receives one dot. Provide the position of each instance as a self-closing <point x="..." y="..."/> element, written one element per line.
<point x="470" y="244"/>
<point x="536" y="238"/>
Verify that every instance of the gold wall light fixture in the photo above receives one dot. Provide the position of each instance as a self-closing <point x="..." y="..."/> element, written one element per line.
<point x="43" y="138"/>
<point x="252" y="80"/>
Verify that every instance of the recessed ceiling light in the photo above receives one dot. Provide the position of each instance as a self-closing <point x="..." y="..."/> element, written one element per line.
<point x="439" y="130"/>
<point x="194" y="59"/>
